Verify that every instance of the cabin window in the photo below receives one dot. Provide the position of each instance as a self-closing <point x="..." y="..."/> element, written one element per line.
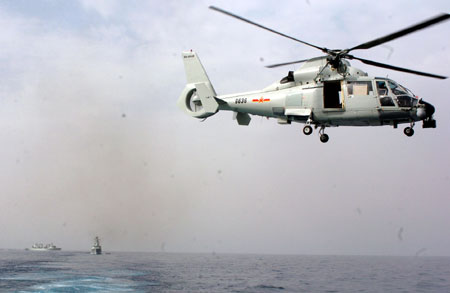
<point x="359" y="88"/>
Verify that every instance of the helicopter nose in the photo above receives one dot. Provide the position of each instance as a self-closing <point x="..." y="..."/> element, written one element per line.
<point x="428" y="121"/>
<point x="429" y="109"/>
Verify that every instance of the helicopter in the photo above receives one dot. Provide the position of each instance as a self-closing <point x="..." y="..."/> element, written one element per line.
<point x="326" y="91"/>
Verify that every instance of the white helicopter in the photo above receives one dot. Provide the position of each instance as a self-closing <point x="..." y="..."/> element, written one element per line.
<point x="325" y="91"/>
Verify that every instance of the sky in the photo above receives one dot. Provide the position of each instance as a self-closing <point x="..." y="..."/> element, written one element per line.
<point x="92" y="142"/>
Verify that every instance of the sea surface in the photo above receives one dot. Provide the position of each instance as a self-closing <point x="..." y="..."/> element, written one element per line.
<point x="60" y="271"/>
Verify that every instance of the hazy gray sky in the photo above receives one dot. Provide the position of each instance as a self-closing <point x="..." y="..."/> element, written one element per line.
<point x="92" y="142"/>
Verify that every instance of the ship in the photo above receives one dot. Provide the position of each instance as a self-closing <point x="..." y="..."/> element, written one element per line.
<point x="46" y="247"/>
<point x="96" y="248"/>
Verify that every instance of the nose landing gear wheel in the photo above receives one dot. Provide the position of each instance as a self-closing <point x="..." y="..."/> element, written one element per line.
<point x="324" y="138"/>
<point x="307" y="130"/>
<point x="408" y="131"/>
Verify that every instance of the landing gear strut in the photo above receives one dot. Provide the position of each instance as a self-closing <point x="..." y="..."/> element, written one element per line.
<point x="323" y="136"/>
<point x="409" y="131"/>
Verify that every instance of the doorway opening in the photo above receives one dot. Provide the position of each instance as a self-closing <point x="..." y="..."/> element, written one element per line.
<point x="332" y="97"/>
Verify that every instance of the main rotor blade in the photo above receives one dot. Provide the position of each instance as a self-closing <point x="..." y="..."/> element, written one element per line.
<point x="287" y="63"/>
<point x="266" y="28"/>
<point x="390" y="37"/>
<point x="378" y="64"/>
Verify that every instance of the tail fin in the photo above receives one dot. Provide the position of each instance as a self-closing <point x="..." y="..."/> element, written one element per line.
<point x="198" y="97"/>
<point x="195" y="73"/>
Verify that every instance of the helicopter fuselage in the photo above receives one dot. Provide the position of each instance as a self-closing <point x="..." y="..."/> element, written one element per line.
<point x="329" y="104"/>
<point x="316" y="94"/>
<point x="325" y="97"/>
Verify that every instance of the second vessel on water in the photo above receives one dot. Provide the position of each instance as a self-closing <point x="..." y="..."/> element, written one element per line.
<point x="46" y="247"/>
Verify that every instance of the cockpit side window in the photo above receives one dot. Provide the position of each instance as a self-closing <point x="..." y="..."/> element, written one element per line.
<point x="383" y="94"/>
<point x="382" y="88"/>
<point x="404" y="101"/>
<point x="386" y="101"/>
<point x="288" y="78"/>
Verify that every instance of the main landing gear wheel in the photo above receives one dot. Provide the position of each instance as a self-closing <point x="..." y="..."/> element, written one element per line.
<point x="307" y="130"/>
<point x="324" y="138"/>
<point x="409" y="131"/>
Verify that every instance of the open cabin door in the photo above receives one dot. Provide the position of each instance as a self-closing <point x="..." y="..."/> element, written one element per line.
<point x="332" y="95"/>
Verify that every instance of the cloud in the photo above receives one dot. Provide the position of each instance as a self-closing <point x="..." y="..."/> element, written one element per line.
<point x="105" y="8"/>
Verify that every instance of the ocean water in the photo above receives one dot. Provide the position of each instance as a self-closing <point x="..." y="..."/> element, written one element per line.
<point x="60" y="271"/>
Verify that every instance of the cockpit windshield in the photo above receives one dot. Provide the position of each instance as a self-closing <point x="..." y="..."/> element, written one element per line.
<point x="405" y="98"/>
<point x="397" y="89"/>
